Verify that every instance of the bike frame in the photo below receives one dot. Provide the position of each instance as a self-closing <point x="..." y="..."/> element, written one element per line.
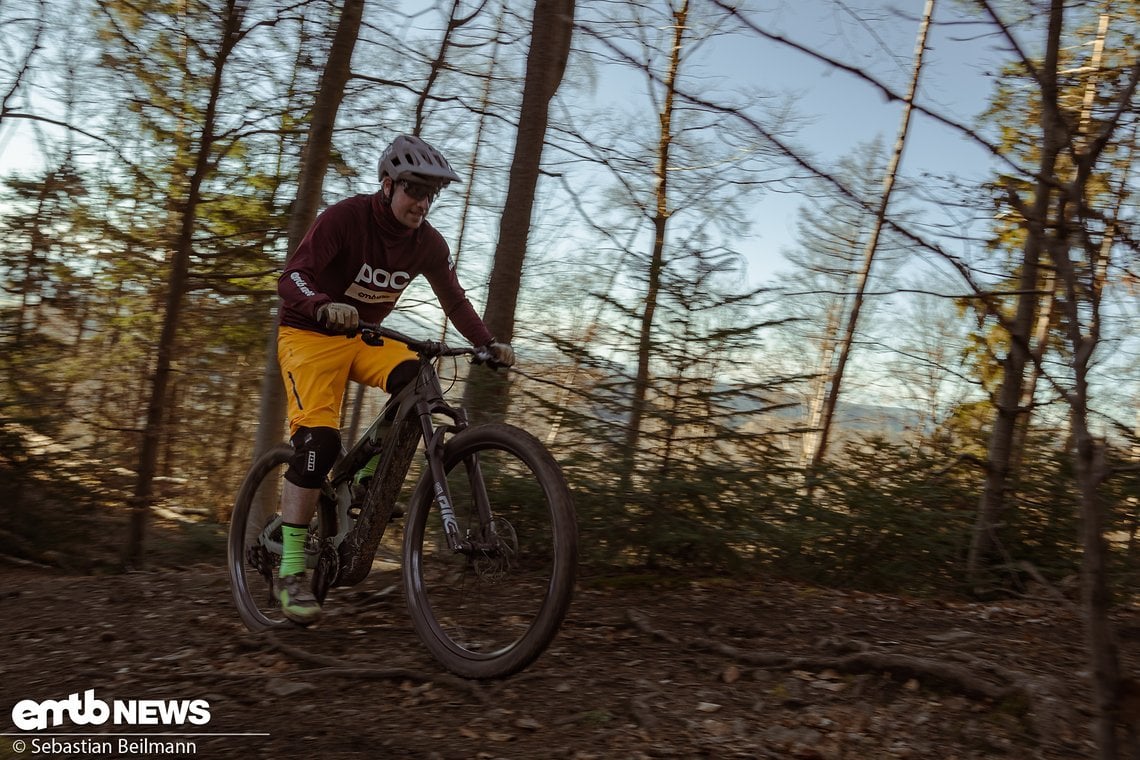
<point x="346" y="554"/>
<point x="465" y="576"/>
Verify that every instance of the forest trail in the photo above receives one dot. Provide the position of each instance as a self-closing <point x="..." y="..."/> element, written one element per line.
<point x="643" y="668"/>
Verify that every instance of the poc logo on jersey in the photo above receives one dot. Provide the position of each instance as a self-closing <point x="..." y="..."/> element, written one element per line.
<point x="382" y="278"/>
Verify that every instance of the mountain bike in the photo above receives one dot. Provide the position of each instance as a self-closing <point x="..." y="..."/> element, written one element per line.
<point x="490" y="540"/>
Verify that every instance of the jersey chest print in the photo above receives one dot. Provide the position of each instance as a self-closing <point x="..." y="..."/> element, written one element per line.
<point x="376" y="285"/>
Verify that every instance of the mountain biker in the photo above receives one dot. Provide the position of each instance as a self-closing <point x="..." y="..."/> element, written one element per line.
<point x="352" y="266"/>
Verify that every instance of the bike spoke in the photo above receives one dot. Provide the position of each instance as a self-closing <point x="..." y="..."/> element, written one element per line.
<point x="255" y="542"/>
<point x="495" y="604"/>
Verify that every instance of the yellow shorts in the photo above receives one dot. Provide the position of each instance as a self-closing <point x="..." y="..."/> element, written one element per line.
<point x="317" y="367"/>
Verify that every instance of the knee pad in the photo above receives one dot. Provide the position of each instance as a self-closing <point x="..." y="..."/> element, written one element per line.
<point x="315" y="450"/>
<point x="402" y="374"/>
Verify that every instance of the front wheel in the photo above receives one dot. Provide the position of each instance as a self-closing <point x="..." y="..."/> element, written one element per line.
<point x="491" y="608"/>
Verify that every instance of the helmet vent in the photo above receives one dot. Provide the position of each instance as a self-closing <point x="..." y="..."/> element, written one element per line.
<point x="409" y="154"/>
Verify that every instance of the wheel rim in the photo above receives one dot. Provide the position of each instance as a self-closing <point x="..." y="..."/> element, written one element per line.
<point x="255" y="537"/>
<point x="481" y="605"/>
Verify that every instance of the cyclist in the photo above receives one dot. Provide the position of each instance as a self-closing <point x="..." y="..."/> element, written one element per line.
<point x="353" y="265"/>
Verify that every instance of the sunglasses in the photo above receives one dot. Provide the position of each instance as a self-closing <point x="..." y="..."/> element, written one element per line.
<point x="418" y="191"/>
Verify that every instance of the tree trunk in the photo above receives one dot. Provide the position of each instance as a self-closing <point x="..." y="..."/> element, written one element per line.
<point x="485" y="396"/>
<point x="1091" y="470"/>
<point x="836" y="380"/>
<point x="439" y="64"/>
<point x="983" y="541"/>
<point x="811" y="439"/>
<point x="1049" y="284"/>
<point x="1082" y="311"/>
<point x="155" y="425"/>
<point x="314" y="164"/>
<point x="1103" y="652"/>
<point x="657" y="257"/>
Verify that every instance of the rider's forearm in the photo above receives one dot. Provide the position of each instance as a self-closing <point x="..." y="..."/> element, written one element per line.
<point x="453" y="299"/>
<point x="463" y="316"/>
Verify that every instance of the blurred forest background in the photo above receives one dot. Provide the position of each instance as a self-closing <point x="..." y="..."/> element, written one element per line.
<point x="937" y="391"/>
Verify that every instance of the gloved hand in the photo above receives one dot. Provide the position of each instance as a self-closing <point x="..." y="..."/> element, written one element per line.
<point x="339" y="316"/>
<point x="501" y="353"/>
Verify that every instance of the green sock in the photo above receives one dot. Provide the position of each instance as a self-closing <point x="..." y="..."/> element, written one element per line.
<point x="368" y="470"/>
<point x="293" y="539"/>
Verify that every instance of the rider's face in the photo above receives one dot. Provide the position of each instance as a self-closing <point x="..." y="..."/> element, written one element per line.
<point x="408" y="210"/>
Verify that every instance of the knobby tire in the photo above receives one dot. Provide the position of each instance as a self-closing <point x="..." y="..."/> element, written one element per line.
<point x="474" y="613"/>
<point x="247" y="584"/>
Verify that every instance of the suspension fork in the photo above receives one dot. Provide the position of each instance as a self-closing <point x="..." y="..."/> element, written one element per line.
<point x="478" y="485"/>
<point x="482" y="500"/>
<point x="487" y="536"/>
<point x="433" y="450"/>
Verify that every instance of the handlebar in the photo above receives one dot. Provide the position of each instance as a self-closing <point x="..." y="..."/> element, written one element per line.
<point x="374" y="335"/>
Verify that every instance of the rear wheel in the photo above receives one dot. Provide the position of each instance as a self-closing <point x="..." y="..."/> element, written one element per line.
<point x="492" y="608"/>
<point x="254" y="547"/>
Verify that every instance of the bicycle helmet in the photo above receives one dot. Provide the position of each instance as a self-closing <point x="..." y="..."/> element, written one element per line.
<point x="409" y="155"/>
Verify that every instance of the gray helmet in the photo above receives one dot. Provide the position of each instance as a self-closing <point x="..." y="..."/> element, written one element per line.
<point x="409" y="155"/>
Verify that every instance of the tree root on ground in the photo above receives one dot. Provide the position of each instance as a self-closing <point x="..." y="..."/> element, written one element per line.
<point x="1047" y="708"/>
<point x="347" y="668"/>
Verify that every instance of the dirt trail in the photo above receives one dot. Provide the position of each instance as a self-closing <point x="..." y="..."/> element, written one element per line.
<point x="642" y="669"/>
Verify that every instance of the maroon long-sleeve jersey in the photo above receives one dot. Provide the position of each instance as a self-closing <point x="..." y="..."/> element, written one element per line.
<point x="357" y="253"/>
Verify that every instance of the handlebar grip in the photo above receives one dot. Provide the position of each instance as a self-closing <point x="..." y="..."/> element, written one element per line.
<point x="483" y="356"/>
<point x="374" y="335"/>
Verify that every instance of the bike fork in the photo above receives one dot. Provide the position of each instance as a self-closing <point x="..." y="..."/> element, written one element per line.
<point x="442" y="496"/>
<point x="479" y="493"/>
<point x="434" y="446"/>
